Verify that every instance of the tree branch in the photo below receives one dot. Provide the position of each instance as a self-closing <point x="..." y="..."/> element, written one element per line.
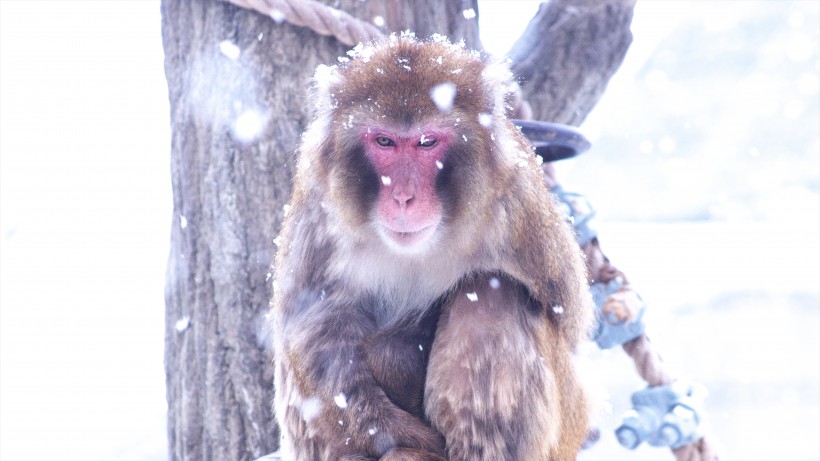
<point x="568" y="53"/>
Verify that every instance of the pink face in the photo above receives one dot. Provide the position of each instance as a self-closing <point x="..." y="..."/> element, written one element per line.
<point x="408" y="211"/>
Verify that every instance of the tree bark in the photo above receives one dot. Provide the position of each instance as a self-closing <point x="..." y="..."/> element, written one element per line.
<point x="228" y="199"/>
<point x="229" y="193"/>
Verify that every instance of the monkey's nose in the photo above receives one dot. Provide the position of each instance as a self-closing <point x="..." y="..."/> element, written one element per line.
<point x="403" y="196"/>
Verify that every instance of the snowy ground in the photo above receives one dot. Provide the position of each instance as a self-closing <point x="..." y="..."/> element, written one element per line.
<point x="735" y="307"/>
<point x="85" y="202"/>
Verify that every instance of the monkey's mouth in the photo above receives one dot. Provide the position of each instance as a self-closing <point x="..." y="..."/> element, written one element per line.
<point x="409" y="239"/>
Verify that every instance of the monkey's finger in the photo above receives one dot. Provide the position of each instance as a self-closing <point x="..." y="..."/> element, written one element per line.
<point x="411" y="454"/>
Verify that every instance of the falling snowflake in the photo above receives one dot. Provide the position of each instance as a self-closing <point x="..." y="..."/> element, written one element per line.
<point x="341" y="400"/>
<point x="311" y="408"/>
<point x="277" y="16"/>
<point x="182" y="324"/>
<point x="249" y="125"/>
<point x="229" y="49"/>
<point x="443" y="95"/>
<point x="472" y="297"/>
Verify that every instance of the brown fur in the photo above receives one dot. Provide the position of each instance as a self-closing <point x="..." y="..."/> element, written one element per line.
<point x="426" y="372"/>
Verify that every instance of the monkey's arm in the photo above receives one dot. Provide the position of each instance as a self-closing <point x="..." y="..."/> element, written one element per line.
<point x="352" y="416"/>
<point x="498" y="387"/>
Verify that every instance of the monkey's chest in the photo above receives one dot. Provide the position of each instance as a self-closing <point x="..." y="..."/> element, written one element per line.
<point x="398" y="359"/>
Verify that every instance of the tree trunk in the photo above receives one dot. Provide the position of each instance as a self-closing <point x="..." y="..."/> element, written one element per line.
<point x="237" y="83"/>
<point x="229" y="188"/>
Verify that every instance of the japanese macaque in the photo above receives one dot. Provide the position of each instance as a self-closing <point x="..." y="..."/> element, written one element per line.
<point x="428" y="295"/>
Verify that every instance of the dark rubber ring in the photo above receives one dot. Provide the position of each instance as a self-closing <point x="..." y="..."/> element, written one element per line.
<point x="553" y="141"/>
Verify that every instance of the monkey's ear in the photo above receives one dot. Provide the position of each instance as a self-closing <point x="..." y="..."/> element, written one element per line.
<point x="324" y="80"/>
<point x="499" y="79"/>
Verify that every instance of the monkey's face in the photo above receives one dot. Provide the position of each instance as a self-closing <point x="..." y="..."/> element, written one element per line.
<point x="410" y="138"/>
<point x="407" y="211"/>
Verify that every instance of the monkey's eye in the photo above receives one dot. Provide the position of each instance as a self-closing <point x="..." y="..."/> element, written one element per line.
<point x="384" y="141"/>
<point x="426" y="142"/>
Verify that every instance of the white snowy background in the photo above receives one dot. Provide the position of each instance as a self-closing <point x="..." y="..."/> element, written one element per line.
<point x="705" y="170"/>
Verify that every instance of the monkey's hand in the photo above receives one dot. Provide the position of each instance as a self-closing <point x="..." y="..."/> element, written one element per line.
<point x="351" y="413"/>
<point x="410" y="454"/>
<point x="399" y="454"/>
<point x="394" y="434"/>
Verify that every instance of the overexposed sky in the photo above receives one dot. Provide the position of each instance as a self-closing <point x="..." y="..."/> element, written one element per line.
<point x="85" y="210"/>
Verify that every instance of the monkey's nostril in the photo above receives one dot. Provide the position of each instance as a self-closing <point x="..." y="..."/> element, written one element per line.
<point x="403" y="198"/>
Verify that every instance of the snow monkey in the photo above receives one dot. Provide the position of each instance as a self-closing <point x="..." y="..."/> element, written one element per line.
<point x="428" y="295"/>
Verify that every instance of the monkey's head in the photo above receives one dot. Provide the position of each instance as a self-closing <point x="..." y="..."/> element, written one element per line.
<point x="408" y="140"/>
